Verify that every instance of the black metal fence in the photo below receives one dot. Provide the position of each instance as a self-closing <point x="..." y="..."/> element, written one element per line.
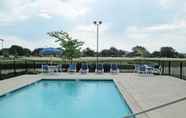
<point x="14" y="68"/>
<point x="173" y="68"/>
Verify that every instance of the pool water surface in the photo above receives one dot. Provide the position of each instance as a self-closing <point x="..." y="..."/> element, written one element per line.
<point x="65" y="99"/>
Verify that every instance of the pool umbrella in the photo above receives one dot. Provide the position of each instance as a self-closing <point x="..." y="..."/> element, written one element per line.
<point x="50" y="52"/>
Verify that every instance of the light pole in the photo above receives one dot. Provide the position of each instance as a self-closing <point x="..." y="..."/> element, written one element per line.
<point x="2" y="40"/>
<point x="97" y="23"/>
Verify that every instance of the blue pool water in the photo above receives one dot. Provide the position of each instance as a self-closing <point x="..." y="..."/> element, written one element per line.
<point x="65" y="99"/>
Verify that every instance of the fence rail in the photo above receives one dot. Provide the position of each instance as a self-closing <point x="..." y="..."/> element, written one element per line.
<point x="14" y="68"/>
<point x="17" y="67"/>
<point x="176" y="69"/>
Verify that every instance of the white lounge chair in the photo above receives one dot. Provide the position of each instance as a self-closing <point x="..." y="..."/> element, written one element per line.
<point x="44" y="68"/>
<point x="114" y="68"/>
<point x="99" y="68"/>
<point x="84" y="68"/>
<point x="72" y="68"/>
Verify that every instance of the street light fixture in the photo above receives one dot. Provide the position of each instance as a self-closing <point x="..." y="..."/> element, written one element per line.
<point x="97" y="23"/>
<point x="2" y="40"/>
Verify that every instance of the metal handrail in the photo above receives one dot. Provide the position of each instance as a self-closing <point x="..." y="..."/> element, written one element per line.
<point x="155" y="108"/>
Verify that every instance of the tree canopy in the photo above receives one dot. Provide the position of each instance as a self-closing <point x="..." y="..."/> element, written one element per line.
<point x="70" y="46"/>
<point x="139" y="51"/>
<point x="88" y="52"/>
<point x="15" y="50"/>
<point x="170" y="52"/>
<point x="112" y="52"/>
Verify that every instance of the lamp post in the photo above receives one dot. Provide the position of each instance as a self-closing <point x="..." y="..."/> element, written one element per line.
<point x="97" y="23"/>
<point x="2" y="40"/>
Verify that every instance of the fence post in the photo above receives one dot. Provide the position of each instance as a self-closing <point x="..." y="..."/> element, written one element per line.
<point x="181" y="70"/>
<point x="163" y="68"/>
<point x="0" y="71"/>
<point x="26" y="67"/>
<point x="14" y="66"/>
<point x="169" y="67"/>
<point x="34" y="65"/>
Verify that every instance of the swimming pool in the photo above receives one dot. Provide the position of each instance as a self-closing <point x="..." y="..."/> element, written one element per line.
<point x="65" y="99"/>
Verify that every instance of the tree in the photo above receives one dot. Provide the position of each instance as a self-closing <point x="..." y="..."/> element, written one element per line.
<point x="19" y="51"/>
<point x="105" y="53"/>
<point x="70" y="46"/>
<point x="121" y="53"/>
<point x="26" y="52"/>
<point x="170" y="53"/>
<point x="113" y="52"/>
<point x="15" y="50"/>
<point x="60" y="53"/>
<point x="179" y="55"/>
<point x="155" y="54"/>
<point x="139" y="51"/>
<point x="167" y="52"/>
<point x="88" y="53"/>
<point x="5" y="52"/>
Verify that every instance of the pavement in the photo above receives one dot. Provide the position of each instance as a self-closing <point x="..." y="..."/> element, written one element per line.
<point x="141" y="91"/>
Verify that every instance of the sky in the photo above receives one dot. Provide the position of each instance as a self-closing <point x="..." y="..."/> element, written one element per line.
<point x="126" y="23"/>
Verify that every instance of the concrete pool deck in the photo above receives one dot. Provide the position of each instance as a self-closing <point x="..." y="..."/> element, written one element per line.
<point x="140" y="91"/>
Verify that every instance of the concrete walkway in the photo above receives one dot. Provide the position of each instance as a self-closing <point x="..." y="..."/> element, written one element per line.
<point x="14" y="83"/>
<point x="151" y="91"/>
<point x="140" y="91"/>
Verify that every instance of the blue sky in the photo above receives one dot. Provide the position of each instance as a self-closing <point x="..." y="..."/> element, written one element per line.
<point x="126" y="23"/>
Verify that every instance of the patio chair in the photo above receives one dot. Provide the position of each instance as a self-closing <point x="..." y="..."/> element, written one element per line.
<point x="114" y="68"/>
<point x="72" y="68"/>
<point x="157" y="70"/>
<point x="107" y="68"/>
<point x="144" y="69"/>
<point x="141" y="69"/>
<point x="52" y="68"/>
<point x="84" y="68"/>
<point x="59" y="68"/>
<point x="65" y="68"/>
<point x="99" y="68"/>
<point x="148" y="69"/>
<point x="136" y="68"/>
<point x="44" y="68"/>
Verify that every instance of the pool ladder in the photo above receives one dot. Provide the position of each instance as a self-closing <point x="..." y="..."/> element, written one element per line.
<point x="155" y="108"/>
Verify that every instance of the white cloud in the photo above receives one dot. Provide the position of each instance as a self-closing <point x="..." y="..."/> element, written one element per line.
<point x="91" y="28"/>
<point x="156" y="36"/>
<point x="87" y="34"/>
<point x="18" y="10"/>
<point x="152" y="37"/>
<point x="13" y="40"/>
<point x="45" y="15"/>
<point x="181" y="24"/>
<point x="177" y="25"/>
<point x="172" y="3"/>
